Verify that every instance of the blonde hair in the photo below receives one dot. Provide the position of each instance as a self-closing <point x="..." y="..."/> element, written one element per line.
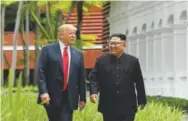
<point x="66" y="27"/>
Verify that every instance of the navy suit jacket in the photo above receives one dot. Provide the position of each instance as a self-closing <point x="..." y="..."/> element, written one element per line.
<point x="50" y="76"/>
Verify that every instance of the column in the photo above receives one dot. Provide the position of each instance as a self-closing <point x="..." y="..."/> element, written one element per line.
<point x="187" y="59"/>
<point x="157" y="62"/>
<point x="168" y="60"/>
<point x="142" y="53"/>
<point x="162" y="64"/>
<point x="137" y="47"/>
<point x="147" y="81"/>
<point x="154" y="66"/>
<point x="150" y="63"/>
<point x="128" y="49"/>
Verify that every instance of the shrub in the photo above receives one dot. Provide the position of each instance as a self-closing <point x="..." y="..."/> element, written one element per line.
<point x="26" y="109"/>
<point x="156" y="111"/>
<point x="174" y="102"/>
<point x="21" y="105"/>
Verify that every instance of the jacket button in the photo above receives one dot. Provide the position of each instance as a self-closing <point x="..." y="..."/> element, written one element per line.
<point x="117" y="92"/>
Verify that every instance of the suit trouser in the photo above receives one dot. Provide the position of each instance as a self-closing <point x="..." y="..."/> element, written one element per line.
<point x="60" y="113"/>
<point x="111" y="117"/>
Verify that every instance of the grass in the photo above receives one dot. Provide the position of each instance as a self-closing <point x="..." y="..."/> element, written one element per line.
<point x="26" y="109"/>
<point x="20" y="105"/>
<point x="156" y="111"/>
<point x="173" y="102"/>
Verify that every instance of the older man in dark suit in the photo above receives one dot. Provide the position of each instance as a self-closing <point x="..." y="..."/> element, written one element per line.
<point x="62" y="76"/>
<point x="115" y="76"/>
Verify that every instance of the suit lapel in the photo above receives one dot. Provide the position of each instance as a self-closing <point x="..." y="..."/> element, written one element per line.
<point x="72" y="51"/>
<point x="72" y="59"/>
<point x="59" y="55"/>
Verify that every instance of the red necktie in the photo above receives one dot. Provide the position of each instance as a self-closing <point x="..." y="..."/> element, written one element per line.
<point x="65" y="67"/>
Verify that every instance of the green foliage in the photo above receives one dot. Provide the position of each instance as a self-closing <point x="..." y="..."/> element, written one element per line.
<point x="37" y="21"/>
<point x="50" y="24"/>
<point x="173" y="102"/>
<point x="26" y="109"/>
<point x="8" y="2"/>
<point x="98" y="3"/>
<point x="19" y="104"/>
<point x="60" y="5"/>
<point x="78" y="44"/>
<point x="42" y="3"/>
<point x="13" y="101"/>
<point x="89" y="113"/>
<point x="156" y="111"/>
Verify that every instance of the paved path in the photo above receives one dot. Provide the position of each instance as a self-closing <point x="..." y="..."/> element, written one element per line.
<point x="185" y="117"/>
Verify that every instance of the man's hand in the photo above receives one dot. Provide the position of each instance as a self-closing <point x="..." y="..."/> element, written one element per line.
<point x="81" y="105"/>
<point x="141" y="106"/>
<point x="45" y="98"/>
<point x="93" y="98"/>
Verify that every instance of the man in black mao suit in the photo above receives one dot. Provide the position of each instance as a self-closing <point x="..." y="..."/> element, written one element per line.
<point x="116" y="76"/>
<point x="61" y="76"/>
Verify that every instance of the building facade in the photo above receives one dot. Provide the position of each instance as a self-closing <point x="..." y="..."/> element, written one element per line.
<point x="157" y="33"/>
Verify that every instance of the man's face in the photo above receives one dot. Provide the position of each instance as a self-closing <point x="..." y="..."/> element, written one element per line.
<point x="116" y="46"/>
<point x="68" y="36"/>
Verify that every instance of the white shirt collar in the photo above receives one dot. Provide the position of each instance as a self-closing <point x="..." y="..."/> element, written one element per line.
<point x="62" y="46"/>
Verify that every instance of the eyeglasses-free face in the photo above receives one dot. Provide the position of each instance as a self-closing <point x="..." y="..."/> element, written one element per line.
<point x="116" y="45"/>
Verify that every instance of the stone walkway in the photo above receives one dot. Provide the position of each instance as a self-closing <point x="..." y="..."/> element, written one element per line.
<point x="185" y="117"/>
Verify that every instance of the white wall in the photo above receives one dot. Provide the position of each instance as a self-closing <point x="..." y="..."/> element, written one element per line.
<point x="158" y="35"/>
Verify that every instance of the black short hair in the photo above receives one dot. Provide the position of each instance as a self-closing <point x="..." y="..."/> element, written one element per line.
<point x="119" y="35"/>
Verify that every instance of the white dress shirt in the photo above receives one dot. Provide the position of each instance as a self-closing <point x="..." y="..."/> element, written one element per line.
<point x="62" y="46"/>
